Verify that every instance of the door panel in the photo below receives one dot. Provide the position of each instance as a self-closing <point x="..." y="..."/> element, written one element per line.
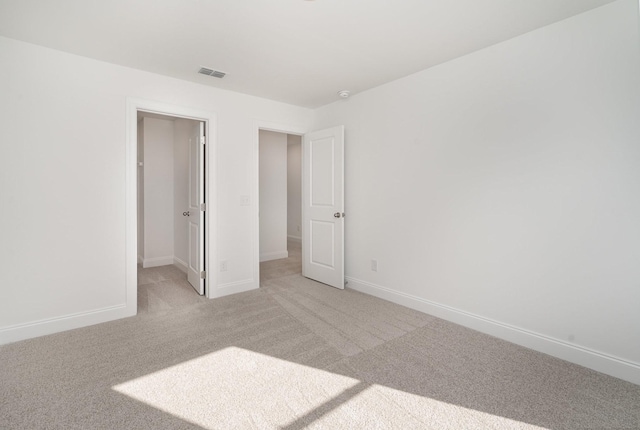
<point x="322" y="153"/>
<point x="196" y="215"/>
<point x="322" y="243"/>
<point x="323" y="206"/>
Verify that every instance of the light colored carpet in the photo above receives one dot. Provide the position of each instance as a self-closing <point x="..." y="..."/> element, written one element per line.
<point x="284" y="267"/>
<point x="297" y="354"/>
<point x="164" y="288"/>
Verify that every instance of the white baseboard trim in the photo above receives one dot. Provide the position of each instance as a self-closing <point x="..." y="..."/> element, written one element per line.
<point x="273" y="256"/>
<point x="181" y="264"/>
<point x="294" y="238"/>
<point x="601" y="362"/>
<point x="234" y="287"/>
<point x="43" y="327"/>
<point x="157" y="261"/>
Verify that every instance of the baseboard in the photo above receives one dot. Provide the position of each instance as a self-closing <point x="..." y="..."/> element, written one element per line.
<point x="54" y="325"/>
<point x="181" y="264"/>
<point x="273" y="256"/>
<point x="611" y="365"/>
<point x="234" y="287"/>
<point x="294" y="238"/>
<point x="157" y="261"/>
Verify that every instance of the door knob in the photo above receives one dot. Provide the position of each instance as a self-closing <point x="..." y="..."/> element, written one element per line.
<point x="337" y="215"/>
<point x="185" y="213"/>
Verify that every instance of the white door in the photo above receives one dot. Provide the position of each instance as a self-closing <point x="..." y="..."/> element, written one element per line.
<point x="196" y="211"/>
<point x="323" y="206"/>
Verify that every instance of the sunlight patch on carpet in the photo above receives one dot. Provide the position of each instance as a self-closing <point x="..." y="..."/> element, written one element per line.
<point x="238" y="388"/>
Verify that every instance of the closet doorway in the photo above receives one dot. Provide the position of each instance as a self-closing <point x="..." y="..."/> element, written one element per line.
<point x="170" y="210"/>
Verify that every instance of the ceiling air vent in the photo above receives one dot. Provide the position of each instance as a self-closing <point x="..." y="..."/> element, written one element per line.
<point x="211" y="72"/>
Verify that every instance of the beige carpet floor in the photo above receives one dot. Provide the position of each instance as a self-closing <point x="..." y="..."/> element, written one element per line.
<point x="164" y="288"/>
<point x="295" y="354"/>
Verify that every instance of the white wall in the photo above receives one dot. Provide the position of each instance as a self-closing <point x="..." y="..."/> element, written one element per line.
<point x="182" y="132"/>
<point x="158" y="192"/>
<point x="63" y="249"/>
<point x="501" y="190"/>
<point x="294" y="186"/>
<point x="273" y="195"/>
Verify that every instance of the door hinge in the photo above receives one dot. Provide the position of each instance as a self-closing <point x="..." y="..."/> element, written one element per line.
<point x="203" y="274"/>
<point x="203" y="206"/>
<point x="203" y="140"/>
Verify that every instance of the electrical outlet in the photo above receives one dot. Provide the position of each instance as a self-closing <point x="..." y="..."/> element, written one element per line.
<point x="223" y="265"/>
<point x="374" y="265"/>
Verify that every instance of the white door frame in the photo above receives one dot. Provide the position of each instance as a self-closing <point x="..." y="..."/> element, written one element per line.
<point x="255" y="234"/>
<point x="131" y="210"/>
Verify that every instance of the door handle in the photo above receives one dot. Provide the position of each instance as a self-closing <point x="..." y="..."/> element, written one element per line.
<point x="338" y="215"/>
<point x="185" y="213"/>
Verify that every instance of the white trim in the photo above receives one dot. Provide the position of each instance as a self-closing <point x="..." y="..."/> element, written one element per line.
<point x="33" y="329"/>
<point x="255" y="197"/>
<point x="294" y="238"/>
<point x="157" y="261"/>
<point x="274" y="256"/>
<point x="236" y="287"/>
<point x="601" y="362"/>
<point x="182" y="265"/>
<point x="211" y="193"/>
<point x="131" y="208"/>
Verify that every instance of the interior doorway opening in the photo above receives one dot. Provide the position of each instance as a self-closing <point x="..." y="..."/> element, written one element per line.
<point x="322" y="195"/>
<point x="170" y="218"/>
<point x="280" y="204"/>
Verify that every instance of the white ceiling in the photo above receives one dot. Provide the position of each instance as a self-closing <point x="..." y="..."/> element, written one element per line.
<point x="295" y="51"/>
